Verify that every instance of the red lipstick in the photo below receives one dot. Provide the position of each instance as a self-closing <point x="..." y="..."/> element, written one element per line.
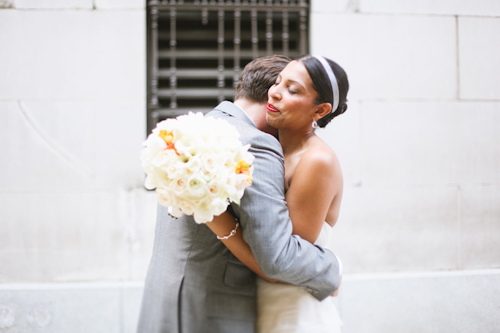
<point x="271" y="108"/>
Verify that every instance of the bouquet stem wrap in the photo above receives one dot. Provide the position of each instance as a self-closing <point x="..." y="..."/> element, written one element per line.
<point x="197" y="165"/>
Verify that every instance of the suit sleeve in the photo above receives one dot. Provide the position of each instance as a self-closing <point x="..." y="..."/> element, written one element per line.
<point x="267" y="228"/>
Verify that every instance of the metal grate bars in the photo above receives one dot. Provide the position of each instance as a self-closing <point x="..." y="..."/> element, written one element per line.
<point x="196" y="48"/>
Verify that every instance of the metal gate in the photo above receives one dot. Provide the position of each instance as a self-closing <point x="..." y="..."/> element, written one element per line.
<point x="197" y="48"/>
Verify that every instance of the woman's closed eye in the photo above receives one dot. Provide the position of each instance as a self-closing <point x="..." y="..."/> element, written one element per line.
<point x="292" y="90"/>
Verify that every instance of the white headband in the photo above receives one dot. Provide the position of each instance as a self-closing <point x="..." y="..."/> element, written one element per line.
<point x="333" y="81"/>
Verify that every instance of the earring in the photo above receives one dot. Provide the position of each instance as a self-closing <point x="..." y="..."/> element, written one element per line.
<point x="314" y="124"/>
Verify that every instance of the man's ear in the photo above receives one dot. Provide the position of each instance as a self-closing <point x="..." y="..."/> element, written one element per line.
<point x="322" y="110"/>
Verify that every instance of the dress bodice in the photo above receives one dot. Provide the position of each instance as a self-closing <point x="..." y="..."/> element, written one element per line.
<point x="285" y="308"/>
<point x="324" y="236"/>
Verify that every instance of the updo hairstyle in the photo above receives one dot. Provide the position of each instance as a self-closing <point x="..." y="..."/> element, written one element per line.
<point x="321" y="83"/>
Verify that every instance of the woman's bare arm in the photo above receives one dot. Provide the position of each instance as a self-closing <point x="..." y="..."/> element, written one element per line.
<point x="309" y="197"/>
<point x="222" y="225"/>
<point x="316" y="181"/>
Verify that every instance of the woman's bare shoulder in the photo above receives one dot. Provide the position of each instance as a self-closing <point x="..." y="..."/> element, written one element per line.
<point x="319" y="156"/>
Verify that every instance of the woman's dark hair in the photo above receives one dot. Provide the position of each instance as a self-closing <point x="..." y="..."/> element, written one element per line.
<point x="321" y="83"/>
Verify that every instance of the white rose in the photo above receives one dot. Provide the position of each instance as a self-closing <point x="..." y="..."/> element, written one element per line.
<point x="151" y="181"/>
<point x="186" y="145"/>
<point x="215" y="188"/>
<point x="154" y="143"/>
<point x="210" y="162"/>
<point x="174" y="170"/>
<point x="197" y="187"/>
<point x="219" y="206"/>
<point x="187" y="206"/>
<point x="203" y="213"/>
<point x="174" y="211"/>
<point x="180" y="184"/>
<point x="235" y="195"/>
<point x="165" y="158"/>
<point x="155" y="177"/>
<point x="166" y="197"/>
<point x="193" y="165"/>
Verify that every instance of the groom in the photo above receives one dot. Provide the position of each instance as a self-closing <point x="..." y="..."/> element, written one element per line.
<point x="194" y="284"/>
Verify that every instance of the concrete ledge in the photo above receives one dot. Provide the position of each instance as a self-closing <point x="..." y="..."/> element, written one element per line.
<point x="458" y="301"/>
<point x="454" y="301"/>
<point x="70" y="307"/>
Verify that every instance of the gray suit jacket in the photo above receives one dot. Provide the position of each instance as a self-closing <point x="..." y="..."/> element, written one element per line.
<point x="194" y="284"/>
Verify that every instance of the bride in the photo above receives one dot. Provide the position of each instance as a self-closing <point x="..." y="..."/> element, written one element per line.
<point x="308" y="93"/>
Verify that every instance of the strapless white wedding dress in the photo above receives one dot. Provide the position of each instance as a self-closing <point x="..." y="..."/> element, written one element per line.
<point x="287" y="308"/>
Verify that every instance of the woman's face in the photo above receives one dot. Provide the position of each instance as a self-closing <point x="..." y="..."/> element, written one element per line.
<point x="291" y="99"/>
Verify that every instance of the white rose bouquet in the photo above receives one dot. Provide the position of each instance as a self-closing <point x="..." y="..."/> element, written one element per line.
<point x="197" y="165"/>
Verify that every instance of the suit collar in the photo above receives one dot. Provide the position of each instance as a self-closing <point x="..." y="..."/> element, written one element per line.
<point x="235" y="111"/>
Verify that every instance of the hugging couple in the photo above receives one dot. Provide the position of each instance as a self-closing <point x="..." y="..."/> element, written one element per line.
<point x="262" y="266"/>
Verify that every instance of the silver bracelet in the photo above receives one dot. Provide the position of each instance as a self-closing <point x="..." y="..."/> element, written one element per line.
<point x="233" y="232"/>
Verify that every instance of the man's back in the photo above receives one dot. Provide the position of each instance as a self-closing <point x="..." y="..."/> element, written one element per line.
<point x="194" y="283"/>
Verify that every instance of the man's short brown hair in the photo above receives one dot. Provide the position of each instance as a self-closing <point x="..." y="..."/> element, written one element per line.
<point x="258" y="76"/>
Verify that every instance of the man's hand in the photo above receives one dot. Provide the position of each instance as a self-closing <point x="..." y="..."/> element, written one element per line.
<point x="336" y="293"/>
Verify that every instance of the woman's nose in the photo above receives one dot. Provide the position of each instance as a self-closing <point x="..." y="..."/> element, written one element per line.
<point x="274" y="92"/>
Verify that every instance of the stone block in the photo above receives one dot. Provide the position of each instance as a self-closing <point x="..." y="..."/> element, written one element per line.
<point x="72" y="144"/>
<point x="53" y="4"/>
<point x="480" y="227"/>
<point x="343" y="135"/>
<point x="47" y="146"/>
<point x="421" y="303"/>
<point x="62" y="308"/>
<point x="322" y="6"/>
<point x="430" y="143"/>
<point x="73" y="236"/>
<point x="141" y="231"/>
<point x="119" y="4"/>
<point x="397" y="229"/>
<point x="479" y="63"/>
<point x="131" y="306"/>
<point x="73" y="54"/>
<point x="431" y="7"/>
<point x="120" y="133"/>
<point x="390" y="57"/>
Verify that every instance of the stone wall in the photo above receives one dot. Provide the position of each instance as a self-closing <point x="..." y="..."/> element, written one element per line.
<point x="419" y="146"/>
<point x="420" y="150"/>
<point x="73" y="210"/>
